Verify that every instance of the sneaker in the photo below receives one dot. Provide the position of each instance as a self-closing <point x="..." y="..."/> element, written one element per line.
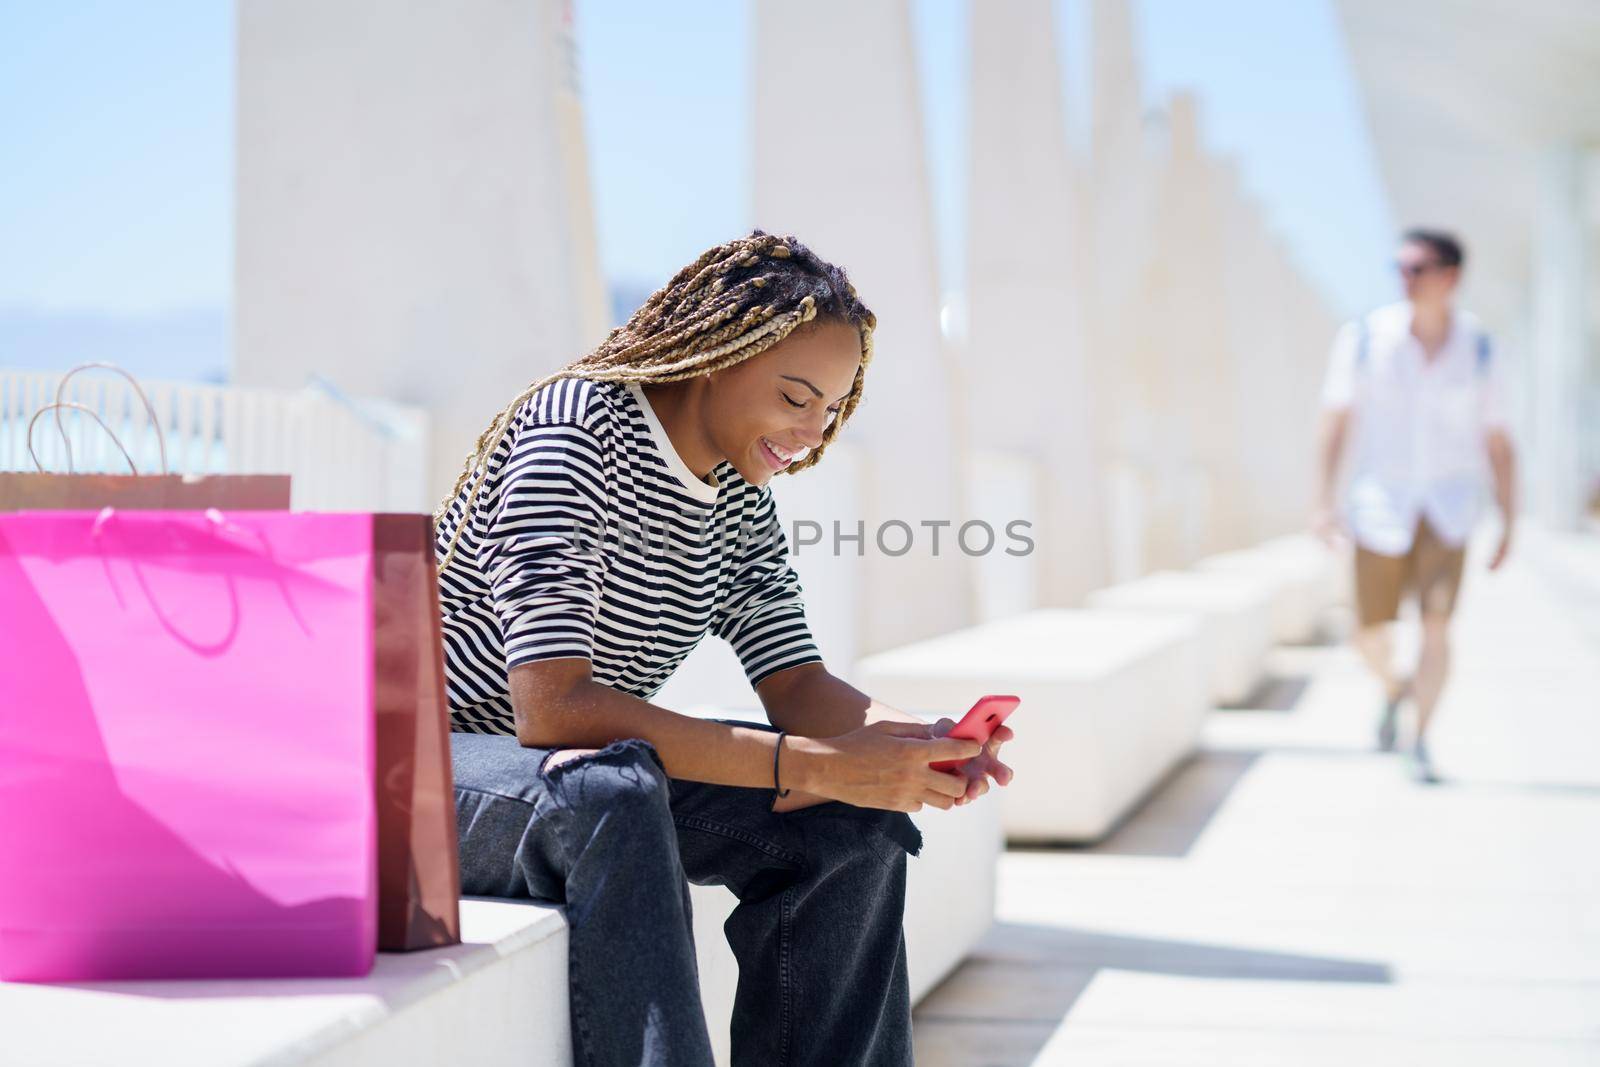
<point x="1388" y="726"/>
<point x="1422" y="765"/>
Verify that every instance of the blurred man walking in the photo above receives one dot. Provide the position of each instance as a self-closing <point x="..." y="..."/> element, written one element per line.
<point x="1416" y="390"/>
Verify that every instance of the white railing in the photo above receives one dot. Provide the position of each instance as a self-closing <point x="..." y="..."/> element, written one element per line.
<point x="343" y="454"/>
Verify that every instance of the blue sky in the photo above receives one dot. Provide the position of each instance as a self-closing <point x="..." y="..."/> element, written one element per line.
<point x="116" y="129"/>
<point x="116" y="134"/>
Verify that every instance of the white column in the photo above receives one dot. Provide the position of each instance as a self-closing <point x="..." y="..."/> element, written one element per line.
<point x="839" y="162"/>
<point x="1029" y="388"/>
<point x="1258" y="371"/>
<point x="1560" y="338"/>
<point x="1126" y="338"/>
<point x="1306" y="335"/>
<point x="1306" y="363"/>
<point x="412" y="212"/>
<point x="1198" y="357"/>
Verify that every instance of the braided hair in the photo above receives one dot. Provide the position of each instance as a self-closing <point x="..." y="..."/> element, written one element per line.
<point x="736" y="301"/>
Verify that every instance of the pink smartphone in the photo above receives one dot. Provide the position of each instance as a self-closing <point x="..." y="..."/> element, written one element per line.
<point x="979" y="725"/>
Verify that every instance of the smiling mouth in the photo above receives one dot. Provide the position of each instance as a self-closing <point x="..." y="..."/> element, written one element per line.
<point x="778" y="457"/>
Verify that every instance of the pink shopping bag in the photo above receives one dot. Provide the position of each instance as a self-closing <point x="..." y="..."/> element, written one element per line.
<point x="186" y="745"/>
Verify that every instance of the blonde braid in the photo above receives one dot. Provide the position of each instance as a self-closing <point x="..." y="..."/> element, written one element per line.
<point x="733" y="302"/>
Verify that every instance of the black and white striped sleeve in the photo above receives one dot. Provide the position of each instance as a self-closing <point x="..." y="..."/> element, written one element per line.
<point x="544" y="543"/>
<point x="762" y="614"/>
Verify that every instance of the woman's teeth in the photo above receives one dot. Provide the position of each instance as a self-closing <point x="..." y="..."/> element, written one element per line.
<point x="779" y="454"/>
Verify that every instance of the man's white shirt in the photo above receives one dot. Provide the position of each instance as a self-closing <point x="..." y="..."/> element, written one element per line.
<point x="1418" y="425"/>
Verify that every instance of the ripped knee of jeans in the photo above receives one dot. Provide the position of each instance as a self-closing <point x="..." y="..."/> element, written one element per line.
<point x="899" y="828"/>
<point x="863" y="826"/>
<point x="632" y="759"/>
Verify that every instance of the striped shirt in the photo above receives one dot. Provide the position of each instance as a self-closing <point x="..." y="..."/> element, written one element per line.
<point x="592" y="538"/>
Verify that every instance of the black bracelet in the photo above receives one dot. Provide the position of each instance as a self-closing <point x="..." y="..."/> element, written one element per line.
<point x="777" y="750"/>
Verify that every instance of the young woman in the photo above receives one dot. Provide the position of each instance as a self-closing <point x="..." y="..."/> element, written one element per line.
<point x="620" y="510"/>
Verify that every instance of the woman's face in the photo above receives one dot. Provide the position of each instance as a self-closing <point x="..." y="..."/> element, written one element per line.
<point x="767" y="411"/>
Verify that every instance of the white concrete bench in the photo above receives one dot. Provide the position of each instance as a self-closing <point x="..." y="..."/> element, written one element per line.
<point x="497" y="1000"/>
<point x="1338" y="566"/>
<point x="500" y="998"/>
<point x="1306" y="579"/>
<point x="1299" y="589"/>
<point x="1235" y="611"/>
<point x="1111" y="700"/>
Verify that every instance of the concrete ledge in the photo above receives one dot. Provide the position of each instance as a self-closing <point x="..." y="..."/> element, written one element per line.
<point x="1111" y="700"/>
<point x="950" y="889"/>
<point x="1235" y="608"/>
<point x="499" y="998"/>
<point x="1336" y="565"/>
<point x="1300" y="586"/>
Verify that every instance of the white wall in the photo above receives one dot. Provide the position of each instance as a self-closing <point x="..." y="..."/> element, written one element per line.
<point x="412" y="207"/>
<point x="1029" y="386"/>
<point x="839" y="162"/>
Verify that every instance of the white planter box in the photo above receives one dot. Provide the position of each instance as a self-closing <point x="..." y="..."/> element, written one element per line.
<point x="1299" y="583"/>
<point x="1337" y="566"/>
<point x="1235" y="613"/>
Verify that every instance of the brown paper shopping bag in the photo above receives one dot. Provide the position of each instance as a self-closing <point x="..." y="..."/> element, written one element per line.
<point x="419" y="880"/>
<point x="25" y="491"/>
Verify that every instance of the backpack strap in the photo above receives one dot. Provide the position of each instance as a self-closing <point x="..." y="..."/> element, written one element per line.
<point x="1485" y="354"/>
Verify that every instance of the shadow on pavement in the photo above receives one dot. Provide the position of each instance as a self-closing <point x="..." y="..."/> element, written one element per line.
<point x="1275" y="692"/>
<point x="1029" y="977"/>
<point x="1171" y="817"/>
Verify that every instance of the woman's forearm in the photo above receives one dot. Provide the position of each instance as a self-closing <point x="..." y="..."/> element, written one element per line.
<point x="558" y="705"/>
<point x="592" y="715"/>
<point x="811" y="702"/>
<point x="563" y="708"/>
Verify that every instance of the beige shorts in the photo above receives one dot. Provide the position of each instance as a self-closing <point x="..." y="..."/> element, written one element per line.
<point x="1432" y="569"/>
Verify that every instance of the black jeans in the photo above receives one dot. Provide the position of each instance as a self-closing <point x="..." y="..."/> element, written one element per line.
<point x="817" y="931"/>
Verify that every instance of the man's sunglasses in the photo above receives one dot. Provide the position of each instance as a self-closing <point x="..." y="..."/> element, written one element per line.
<point x="1416" y="270"/>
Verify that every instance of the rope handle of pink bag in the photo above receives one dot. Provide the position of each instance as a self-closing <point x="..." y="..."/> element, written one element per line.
<point x="220" y="523"/>
<point x="61" y="386"/>
<point x="194" y="644"/>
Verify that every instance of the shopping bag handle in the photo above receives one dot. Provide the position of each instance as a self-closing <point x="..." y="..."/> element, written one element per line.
<point x="208" y="649"/>
<point x="155" y="423"/>
<point x="57" y="406"/>
<point x="219" y="524"/>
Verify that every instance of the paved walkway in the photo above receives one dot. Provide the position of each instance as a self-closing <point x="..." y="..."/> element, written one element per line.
<point x="1292" y="898"/>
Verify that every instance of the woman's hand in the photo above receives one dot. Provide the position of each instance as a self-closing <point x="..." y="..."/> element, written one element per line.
<point x="884" y="765"/>
<point x="985" y="765"/>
